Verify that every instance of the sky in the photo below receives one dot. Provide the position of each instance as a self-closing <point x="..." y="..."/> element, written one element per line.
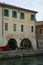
<point x="36" y="5"/>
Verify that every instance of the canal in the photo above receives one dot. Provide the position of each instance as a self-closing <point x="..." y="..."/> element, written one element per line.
<point x="23" y="61"/>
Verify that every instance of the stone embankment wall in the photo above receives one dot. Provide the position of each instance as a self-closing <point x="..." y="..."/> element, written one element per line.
<point x="20" y="53"/>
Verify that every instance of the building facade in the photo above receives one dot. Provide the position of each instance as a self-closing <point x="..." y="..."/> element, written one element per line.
<point x="17" y="25"/>
<point x="39" y="34"/>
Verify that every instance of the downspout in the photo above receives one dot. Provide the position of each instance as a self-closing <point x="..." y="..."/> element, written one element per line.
<point x="2" y="25"/>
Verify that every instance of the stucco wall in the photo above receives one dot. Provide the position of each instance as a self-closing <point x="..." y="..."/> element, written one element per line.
<point x="0" y="25"/>
<point x="18" y="35"/>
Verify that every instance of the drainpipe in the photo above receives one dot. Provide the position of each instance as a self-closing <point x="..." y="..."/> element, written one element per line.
<point x="2" y="25"/>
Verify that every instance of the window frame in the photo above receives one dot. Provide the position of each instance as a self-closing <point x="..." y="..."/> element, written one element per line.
<point x="22" y="28"/>
<point x="14" y="14"/>
<point x="6" y="12"/>
<point x="33" y="17"/>
<point x="14" y="27"/>
<point x="22" y="15"/>
<point x="6" y="26"/>
<point x="32" y="29"/>
<point x="40" y="31"/>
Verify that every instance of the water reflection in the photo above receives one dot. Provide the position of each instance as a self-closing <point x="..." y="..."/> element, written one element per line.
<point x="23" y="61"/>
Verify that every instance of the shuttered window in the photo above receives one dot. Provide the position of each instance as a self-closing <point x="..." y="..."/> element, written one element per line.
<point x="21" y="15"/>
<point x="33" y="17"/>
<point x="14" y="14"/>
<point x="6" y="12"/>
<point x="22" y="28"/>
<point x="14" y="27"/>
<point x="6" y="26"/>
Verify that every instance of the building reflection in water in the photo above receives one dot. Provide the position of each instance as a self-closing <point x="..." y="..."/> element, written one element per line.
<point x="23" y="61"/>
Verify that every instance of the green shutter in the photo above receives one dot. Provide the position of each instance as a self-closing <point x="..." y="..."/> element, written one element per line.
<point x="6" y="12"/>
<point x="14" y="14"/>
<point x="21" y="15"/>
<point x="33" y="17"/>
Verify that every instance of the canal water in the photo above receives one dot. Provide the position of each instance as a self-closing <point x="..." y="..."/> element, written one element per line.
<point x="23" y="61"/>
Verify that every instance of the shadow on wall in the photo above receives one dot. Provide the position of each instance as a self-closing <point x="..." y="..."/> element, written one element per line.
<point x="26" y="43"/>
<point x="12" y="45"/>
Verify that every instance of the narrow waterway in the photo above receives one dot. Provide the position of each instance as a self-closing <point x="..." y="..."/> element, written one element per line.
<point x="23" y="61"/>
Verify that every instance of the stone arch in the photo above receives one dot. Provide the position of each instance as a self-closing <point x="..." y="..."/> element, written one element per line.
<point x="12" y="44"/>
<point x="26" y="43"/>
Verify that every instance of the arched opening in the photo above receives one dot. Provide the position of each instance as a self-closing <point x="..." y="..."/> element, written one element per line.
<point x="26" y="43"/>
<point x="12" y="44"/>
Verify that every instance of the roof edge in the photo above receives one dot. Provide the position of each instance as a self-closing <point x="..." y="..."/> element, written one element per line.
<point x="5" y="4"/>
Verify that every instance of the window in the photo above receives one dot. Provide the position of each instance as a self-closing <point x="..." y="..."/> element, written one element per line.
<point x="22" y="28"/>
<point x="6" y="26"/>
<point x="6" y="12"/>
<point x="14" y="14"/>
<point x="40" y="31"/>
<point x="31" y="28"/>
<point x="14" y="27"/>
<point x="33" y="17"/>
<point x="21" y="15"/>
